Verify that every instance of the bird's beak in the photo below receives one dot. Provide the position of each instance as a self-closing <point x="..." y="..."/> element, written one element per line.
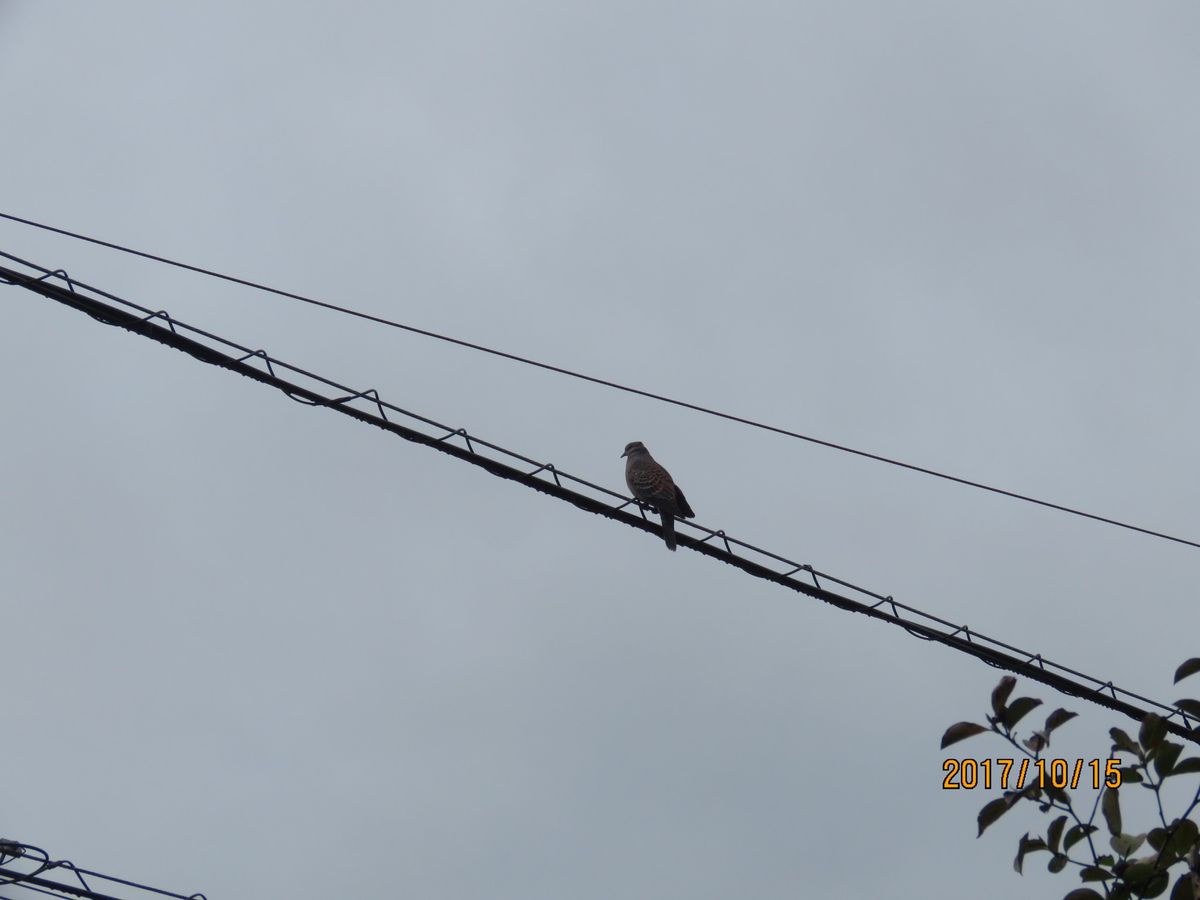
<point x="623" y="455"/>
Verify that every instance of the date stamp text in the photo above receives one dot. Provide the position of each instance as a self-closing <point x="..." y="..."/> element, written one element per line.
<point x="1006" y="774"/>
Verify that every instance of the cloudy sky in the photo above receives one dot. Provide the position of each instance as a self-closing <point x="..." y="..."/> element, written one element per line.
<point x="256" y="649"/>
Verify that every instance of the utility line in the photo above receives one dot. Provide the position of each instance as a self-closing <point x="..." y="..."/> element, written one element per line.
<point x="548" y="479"/>
<point x="24" y="866"/>
<point x="611" y="384"/>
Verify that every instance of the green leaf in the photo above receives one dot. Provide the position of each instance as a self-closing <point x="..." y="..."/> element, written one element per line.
<point x="1181" y="842"/>
<point x="1139" y="871"/>
<point x="1189" y="766"/>
<point x="1027" y="845"/>
<point x="1058" y="717"/>
<point x="1077" y="833"/>
<point x="1125" y="844"/>
<point x="1130" y="775"/>
<point x="1083" y="894"/>
<point x="1122" y="741"/>
<point x="1031" y="791"/>
<point x="1057" y="863"/>
<point x="1094" y="873"/>
<point x="1183" y="888"/>
<point x="1150" y="885"/>
<point x="1000" y="694"/>
<point x="1164" y="758"/>
<point x="1157" y="837"/>
<point x="1191" y="667"/>
<point x="1037" y="742"/>
<point x="1189" y="706"/>
<point x="1152" y="731"/>
<point x="960" y="732"/>
<point x="1145" y="878"/>
<point x="1058" y="794"/>
<point x="1054" y="833"/>
<point x="1156" y="885"/>
<point x="1018" y="709"/>
<point x="1111" y="807"/>
<point x="991" y="812"/>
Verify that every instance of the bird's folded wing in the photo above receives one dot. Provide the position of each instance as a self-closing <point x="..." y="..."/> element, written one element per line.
<point x="685" y="509"/>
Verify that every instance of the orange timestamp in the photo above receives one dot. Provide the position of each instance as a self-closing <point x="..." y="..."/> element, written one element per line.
<point x="968" y="774"/>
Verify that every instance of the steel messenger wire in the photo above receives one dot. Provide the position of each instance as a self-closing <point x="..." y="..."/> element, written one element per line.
<point x="160" y="326"/>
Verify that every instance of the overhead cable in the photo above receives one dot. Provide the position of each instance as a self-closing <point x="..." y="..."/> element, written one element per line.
<point x="924" y="470"/>
<point x="367" y="406"/>
<point x="25" y="867"/>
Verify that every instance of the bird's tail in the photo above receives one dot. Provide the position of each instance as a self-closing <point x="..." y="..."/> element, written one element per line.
<point x="669" y="530"/>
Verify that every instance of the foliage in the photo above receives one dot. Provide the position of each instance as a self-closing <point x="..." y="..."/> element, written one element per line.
<point x="1119" y="872"/>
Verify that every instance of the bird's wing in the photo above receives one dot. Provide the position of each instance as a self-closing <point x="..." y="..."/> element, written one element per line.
<point x="685" y="509"/>
<point x="648" y="481"/>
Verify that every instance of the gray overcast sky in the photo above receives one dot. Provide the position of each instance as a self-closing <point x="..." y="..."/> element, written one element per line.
<point x="255" y="649"/>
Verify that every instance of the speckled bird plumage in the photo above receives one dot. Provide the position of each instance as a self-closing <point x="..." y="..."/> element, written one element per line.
<point x="653" y="485"/>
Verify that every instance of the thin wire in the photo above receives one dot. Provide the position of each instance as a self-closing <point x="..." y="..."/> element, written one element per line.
<point x="606" y="383"/>
<point x="548" y="479"/>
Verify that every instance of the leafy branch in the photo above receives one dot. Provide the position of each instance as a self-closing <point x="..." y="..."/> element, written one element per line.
<point x="1153" y="759"/>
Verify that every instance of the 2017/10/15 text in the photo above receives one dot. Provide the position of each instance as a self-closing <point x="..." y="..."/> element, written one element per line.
<point x="968" y="774"/>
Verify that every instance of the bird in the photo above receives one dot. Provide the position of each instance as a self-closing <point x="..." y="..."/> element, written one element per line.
<point x="652" y="484"/>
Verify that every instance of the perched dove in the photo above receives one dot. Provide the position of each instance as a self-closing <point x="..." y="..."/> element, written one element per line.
<point x="652" y="484"/>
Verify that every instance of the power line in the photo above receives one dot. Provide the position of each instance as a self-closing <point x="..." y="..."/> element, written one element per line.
<point x="548" y="479"/>
<point x="611" y="384"/>
<point x="25" y="867"/>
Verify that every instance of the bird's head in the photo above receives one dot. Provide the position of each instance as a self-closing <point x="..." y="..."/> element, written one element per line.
<point x="634" y="447"/>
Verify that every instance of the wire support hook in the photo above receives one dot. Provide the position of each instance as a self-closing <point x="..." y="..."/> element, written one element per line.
<point x="165" y="316"/>
<point x="368" y="394"/>
<point x="812" y="573"/>
<point x="549" y="467"/>
<point x="1110" y="687"/>
<point x="458" y="432"/>
<point x="58" y="273"/>
<point x="260" y="354"/>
